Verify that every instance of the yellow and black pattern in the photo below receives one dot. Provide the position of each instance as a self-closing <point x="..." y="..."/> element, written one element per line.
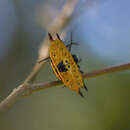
<point x="65" y="66"/>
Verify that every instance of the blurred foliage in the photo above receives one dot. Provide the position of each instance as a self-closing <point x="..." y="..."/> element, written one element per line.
<point x="105" y="107"/>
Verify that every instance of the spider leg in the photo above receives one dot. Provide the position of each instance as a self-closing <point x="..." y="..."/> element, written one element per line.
<point x="77" y="61"/>
<point x="81" y="94"/>
<point x="71" y="43"/>
<point x="48" y="58"/>
<point x="81" y="71"/>
<point x="85" y="88"/>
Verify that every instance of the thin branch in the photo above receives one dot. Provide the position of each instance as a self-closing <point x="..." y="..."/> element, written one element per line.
<point x="27" y="89"/>
<point x="107" y="70"/>
<point x="87" y="75"/>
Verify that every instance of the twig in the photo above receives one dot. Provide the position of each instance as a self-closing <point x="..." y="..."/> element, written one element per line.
<point x="27" y="88"/>
<point x="93" y="74"/>
<point x="107" y="70"/>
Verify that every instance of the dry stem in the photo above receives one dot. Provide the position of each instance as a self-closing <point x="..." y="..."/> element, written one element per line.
<point x="27" y="88"/>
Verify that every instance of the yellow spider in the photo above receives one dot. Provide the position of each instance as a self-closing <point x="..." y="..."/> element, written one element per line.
<point x="65" y="65"/>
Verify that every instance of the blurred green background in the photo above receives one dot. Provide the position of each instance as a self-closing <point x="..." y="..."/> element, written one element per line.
<point x="103" y="33"/>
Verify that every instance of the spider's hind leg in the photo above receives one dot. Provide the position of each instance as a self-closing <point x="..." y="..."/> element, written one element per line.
<point x="80" y="93"/>
<point x="85" y="87"/>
